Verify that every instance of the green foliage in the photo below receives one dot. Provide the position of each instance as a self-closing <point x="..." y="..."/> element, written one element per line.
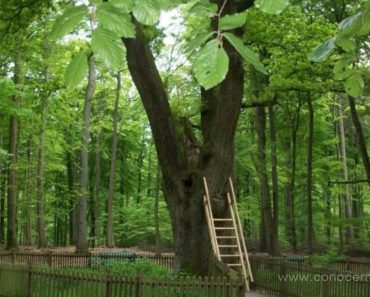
<point x="71" y="17"/>
<point x="234" y="21"/>
<point x="144" y="267"/>
<point x="272" y="6"/>
<point x="115" y="19"/>
<point x="76" y="70"/>
<point x="211" y="65"/>
<point x="147" y="11"/>
<point x="108" y="48"/>
<point x="351" y="30"/>
<point x="249" y="55"/>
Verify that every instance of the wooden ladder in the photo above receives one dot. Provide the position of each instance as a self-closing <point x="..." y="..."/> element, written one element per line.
<point x="226" y="235"/>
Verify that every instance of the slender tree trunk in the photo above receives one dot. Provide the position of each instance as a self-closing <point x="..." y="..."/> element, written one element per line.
<point x="82" y="242"/>
<point x="275" y="185"/>
<point x="140" y="161"/>
<point x="12" y="174"/>
<point x="156" y="209"/>
<point x="347" y="200"/>
<point x="110" y="232"/>
<point x="291" y="148"/>
<point x="360" y="138"/>
<point x="266" y="212"/>
<point x="42" y="239"/>
<point x="28" y="195"/>
<point x="310" y="234"/>
<point x="71" y="195"/>
<point x="2" y="196"/>
<point x="96" y="226"/>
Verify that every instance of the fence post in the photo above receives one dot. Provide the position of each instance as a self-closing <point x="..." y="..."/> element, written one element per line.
<point x="283" y="279"/>
<point x="50" y="259"/>
<point x="13" y="256"/>
<point x="29" y="277"/>
<point x="108" y="287"/>
<point x="138" y="285"/>
<point x="325" y="284"/>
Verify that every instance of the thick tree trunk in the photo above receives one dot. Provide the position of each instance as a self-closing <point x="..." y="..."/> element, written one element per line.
<point x="2" y="195"/>
<point x="82" y="242"/>
<point x="309" y="175"/>
<point x="360" y="138"/>
<point x="347" y="199"/>
<point x="12" y="174"/>
<point x="183" y="162"/>
<point x="110" y="232"/>
<point x="274" y="179"/>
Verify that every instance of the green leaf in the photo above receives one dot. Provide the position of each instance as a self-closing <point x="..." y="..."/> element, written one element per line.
<point x="147" y="12"/>
<point x="272" y="6"/>
<point x="211" y="65"/>
<point x="350" y="26"/>
<point x="126" y="5"/>
<point x="229" y="22"/>
<point x="365" y="21"/>
<point x="65" y="23"/>
<point x="354" y="85"/>
<point x="197" y="42"/>
<point x="249" y="55"/>
<point x="107" y="48"/>
<point x="76" y="70"/>
<point x="341" y="69"/>
<point x="347" y="44"/>
<point x="204" y="8"/>
<point x="323" y="50"/>
<point x="116" y="20"/>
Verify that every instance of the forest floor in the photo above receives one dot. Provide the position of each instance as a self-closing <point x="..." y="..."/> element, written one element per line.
<point x="71" y="249"/>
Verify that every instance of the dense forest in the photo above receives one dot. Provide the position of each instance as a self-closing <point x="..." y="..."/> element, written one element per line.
<point x="111" y="112"/>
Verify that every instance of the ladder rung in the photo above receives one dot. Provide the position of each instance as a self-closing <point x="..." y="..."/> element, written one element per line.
<point x="227" y="245"/>
<point x="222" y="220"/>
<point x="226" y="237"/>
<point x="230" y="256"/>
<point x="234" y="264"/>
<point x="224" y="228"/>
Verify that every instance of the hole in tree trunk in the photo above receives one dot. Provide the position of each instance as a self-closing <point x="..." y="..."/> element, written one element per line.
<point x="188" y="181"/>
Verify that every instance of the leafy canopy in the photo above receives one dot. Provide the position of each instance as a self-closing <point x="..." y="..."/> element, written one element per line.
<point x="111" y="21"/>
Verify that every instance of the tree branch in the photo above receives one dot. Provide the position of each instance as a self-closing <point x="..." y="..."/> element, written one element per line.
<point x="150" y="86"/>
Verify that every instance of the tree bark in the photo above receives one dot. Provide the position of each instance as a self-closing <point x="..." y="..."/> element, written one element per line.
<point x="96" y="227"/>
<point x="110" y="232"/>
<point x="309" y="175"/>
<point x="183" y="161"/>
<point x="274" y="179"/>
<point x="2" y="196"/>
<point x="82" y="242"/>
<point x="360" y="138"/>
<point x="28" y="195"/>
<point x="12" y="173"/>
<point x="267" y="231"/>
<point x="291" y="147"/>
<point x="156" y="209"/>
<point x="347" y="200"/>
<point x="42" y="239"/>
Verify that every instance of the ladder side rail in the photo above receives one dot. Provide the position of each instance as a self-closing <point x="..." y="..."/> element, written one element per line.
<point x="238" y="241"/>
<point x="234" y="204"/>
<point x="211" y="233"/>
<point x="208" y="199"/>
